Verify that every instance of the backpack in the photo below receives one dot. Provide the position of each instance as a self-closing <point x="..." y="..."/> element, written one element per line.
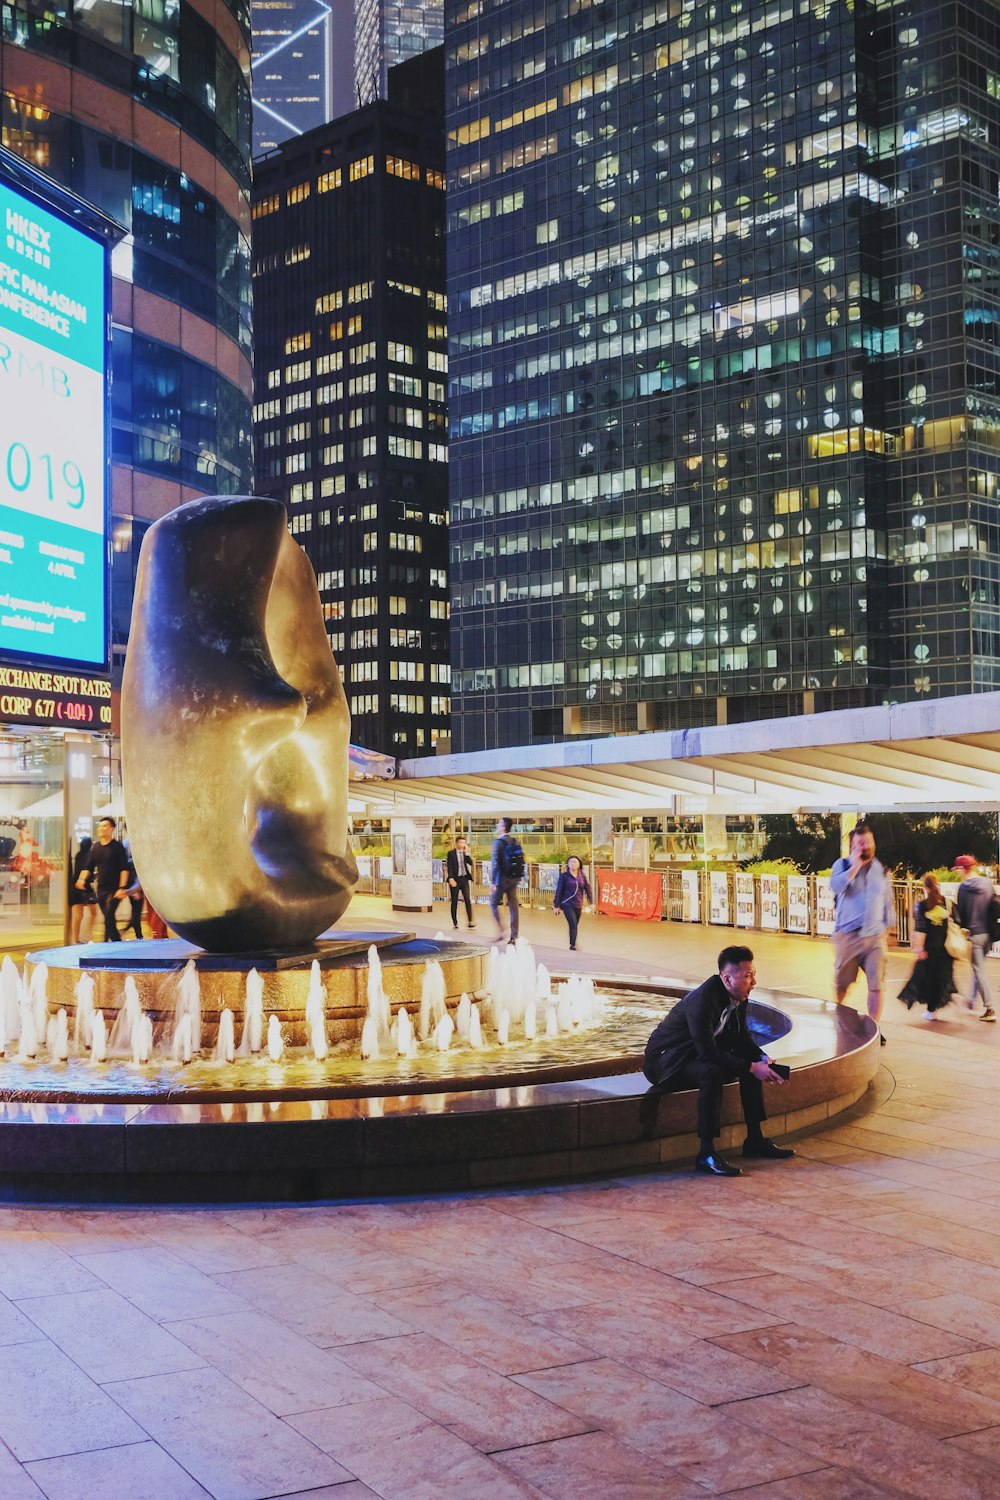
<point x="993" y="920"/>
<point x="510" y="859"/>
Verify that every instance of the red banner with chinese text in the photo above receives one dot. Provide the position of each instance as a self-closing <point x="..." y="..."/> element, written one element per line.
<point x="630" y="893"/>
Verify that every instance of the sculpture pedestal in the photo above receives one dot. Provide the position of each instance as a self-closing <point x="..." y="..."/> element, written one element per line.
<point x="174" y="953"/>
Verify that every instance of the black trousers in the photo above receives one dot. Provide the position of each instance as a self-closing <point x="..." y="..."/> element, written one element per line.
<point x="572" y="915"/>
<point x="461" y="887"/>
<point x="709" y="1078"/>
<point x="109" y="906"/>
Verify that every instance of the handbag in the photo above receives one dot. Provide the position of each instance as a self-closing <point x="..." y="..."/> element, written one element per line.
<point x="956" y="944"/>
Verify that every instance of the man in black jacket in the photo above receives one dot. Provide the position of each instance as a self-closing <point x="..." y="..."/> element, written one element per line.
<point x="459" y="878"/>
<point x="703" y="1043"/>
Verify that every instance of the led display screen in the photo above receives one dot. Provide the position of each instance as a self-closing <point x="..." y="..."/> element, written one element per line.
<point x="53" y="436"/>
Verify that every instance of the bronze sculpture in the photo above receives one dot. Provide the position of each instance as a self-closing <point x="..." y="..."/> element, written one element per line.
<point x="235" y="732"/>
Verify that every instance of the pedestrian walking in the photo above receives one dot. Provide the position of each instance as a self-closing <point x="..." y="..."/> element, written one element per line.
<point x="975" y="906"/>
<point x="459" y="875"/>
<point x="81" y="902"/>
<point x="932" y="981"/>
<point x="865" y="912"/>
<point x="572" y="890"/>
<point x="107" y="866"/>
<point x="506" y="869"/>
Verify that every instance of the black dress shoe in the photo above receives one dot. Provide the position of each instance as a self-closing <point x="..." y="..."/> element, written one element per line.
<point x="767" y="1151"/>
<point x="717" y="1166"/>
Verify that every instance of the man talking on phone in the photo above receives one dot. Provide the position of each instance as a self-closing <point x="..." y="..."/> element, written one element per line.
<point x="865" y="913"/>
<point x="704" y="1043"/>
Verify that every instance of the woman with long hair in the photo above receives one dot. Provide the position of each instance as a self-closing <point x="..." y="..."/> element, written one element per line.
<point x="932" y="980"/>
<point x="571" y="891"/>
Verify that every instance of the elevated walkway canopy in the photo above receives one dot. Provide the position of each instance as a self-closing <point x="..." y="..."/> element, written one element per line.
<point x="940" y="755"/>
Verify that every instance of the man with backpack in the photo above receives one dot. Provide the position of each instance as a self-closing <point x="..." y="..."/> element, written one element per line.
<point x="978" y="913"/>
<point x="506" y="869"/>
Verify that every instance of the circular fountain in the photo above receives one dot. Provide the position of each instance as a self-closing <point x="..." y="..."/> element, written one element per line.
<point x="273" y="1065"/>
<point x="399" y="1066"/>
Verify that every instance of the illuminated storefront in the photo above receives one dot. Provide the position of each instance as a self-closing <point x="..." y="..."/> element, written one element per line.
<point x="56" y="706"/>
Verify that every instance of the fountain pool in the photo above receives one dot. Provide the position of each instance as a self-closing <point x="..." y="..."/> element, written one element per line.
<point x="157" y="1072"/>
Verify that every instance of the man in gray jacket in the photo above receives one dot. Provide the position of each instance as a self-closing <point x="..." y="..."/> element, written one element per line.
<point x="975" y="899"/>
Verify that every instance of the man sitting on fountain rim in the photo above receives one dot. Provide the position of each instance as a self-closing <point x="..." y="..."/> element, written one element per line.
<point x="704" y="1043"/>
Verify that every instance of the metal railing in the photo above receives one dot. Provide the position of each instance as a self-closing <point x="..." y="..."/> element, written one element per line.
<point x="536" y="892"/>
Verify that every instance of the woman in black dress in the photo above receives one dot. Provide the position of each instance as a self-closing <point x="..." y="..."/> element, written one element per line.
<point x="931" y="982"/>
<point x="82" y="904"/>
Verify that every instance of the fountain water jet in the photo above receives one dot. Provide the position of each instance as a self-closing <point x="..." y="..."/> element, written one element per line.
<point x="275" y="1040"/>
<point x="475" y="1028"/>
<point x="142" y="1040"/>
<point x="253" y="1015"/>
<point x="182" y="1048"/>
<point x="225" y="1041"/>
<point x="189" y="1003"/>
<point x="316" y="1014"/>
<point x="406" y="1041"/>
<point x="83" y="1024"/>
<point x="433" y="990"/>
<point x="10" y="1013"/>
<point x="99" y="1039"/>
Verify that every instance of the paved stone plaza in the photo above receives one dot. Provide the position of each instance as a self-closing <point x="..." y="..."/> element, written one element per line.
<point x="824" y="1329"/>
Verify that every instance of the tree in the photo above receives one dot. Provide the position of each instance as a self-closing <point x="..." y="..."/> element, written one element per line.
<point x="810" y="840"/>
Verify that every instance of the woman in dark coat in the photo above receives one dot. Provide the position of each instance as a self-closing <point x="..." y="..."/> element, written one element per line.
<point x="932" y="981"/>
<point x="573" y="887"/>
<point x="82" y="904"/>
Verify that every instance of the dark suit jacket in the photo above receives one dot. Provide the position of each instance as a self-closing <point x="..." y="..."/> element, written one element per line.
<point x="453" y="864"/>
<point x="687" y="1033"/>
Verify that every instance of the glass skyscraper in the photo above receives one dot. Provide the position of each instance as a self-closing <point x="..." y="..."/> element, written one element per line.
<point x="350" y="354"/>
<point x="387" y="32"/>
<point x="144" y="110"/>
<point x="292" y="69"/>
<point x="724" y="392"/>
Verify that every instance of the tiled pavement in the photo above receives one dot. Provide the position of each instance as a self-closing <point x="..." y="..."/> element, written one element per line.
<point x="824" y="1329"/>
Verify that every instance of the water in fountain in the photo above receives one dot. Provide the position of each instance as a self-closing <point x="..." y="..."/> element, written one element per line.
<point x="369" y="1038"/>
<point x="379" y="1008"/>
<point x="28" y="1040"/>
<point x="275" y="1040"/>
<point x="120" y="1041"/>
<point x="189" y="1003"/>
<point x="475" y="1028"/>
<point x="99" y="1038"/>
<point x="530" y="1021"/>
<point x="59" y="1043"/>
<point x="182" y="1046"/>
<point x="443" y="1032"/>
<point x="225" y="1042"/>
<point x="316" y="1014"/>
<point x="564" y="1011"/>
<point x="503" y="1028"/>
<point x="406" y="1041"/>
<point x="551" y="1021"/>
<point x="253" y="1015"/>
<point x="142" y="1040"/>
<point x="543" y="984"/>
<point x="432" y="998"/>
<point x="83" y="1024"/>
<point x="10" y="1012"/>
<point x="38" y="993"/>
<point x="463" y="1013"/>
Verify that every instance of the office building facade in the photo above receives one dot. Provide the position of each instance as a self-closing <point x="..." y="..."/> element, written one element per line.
<point x="350" y="413"/>
<point x="146" y="113"/>
<point x="388" y="32"/>
<point x="723" y="311"/>
<point x="292" y="69"/>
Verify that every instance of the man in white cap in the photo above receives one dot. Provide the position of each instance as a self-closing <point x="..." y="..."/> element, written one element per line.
<point x="975" y="902"/>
